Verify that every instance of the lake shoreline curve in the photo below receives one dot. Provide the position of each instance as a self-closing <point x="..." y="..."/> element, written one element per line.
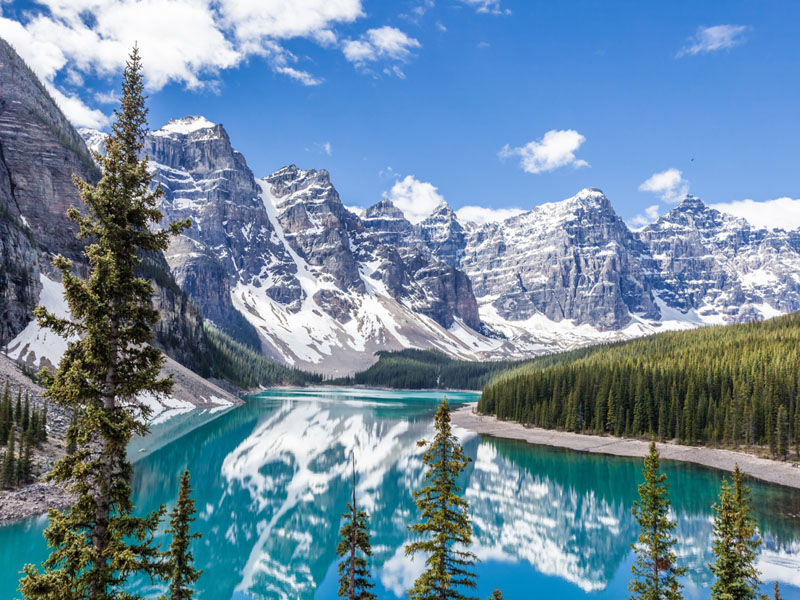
<point x="763" y="469"/>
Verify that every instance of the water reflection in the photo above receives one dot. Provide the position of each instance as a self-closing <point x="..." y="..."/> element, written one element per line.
<point x="272" y="478"/>
<point x="272" y="512"/>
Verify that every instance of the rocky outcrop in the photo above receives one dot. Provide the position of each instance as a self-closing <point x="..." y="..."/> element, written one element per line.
<point x="573" y="260"/>
<point x="444" y="234"/>
<point x="702" y="260"/>
<point x="231" y="238"/>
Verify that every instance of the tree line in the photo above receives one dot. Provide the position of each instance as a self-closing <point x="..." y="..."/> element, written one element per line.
<point x="413" y="369"/>
<point x="733" y="386"/>
<point x="20" y="423"/>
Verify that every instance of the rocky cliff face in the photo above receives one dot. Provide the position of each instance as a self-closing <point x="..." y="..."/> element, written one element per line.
<point x="719" y="266"/>
<point x="444" y="234"/>
<point x="280" y="263"/>
<point x="40" y="152"/>
<point x="573" y="260"/>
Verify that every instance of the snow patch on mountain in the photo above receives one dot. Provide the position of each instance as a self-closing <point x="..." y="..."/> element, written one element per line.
<point x="185" y="126"/>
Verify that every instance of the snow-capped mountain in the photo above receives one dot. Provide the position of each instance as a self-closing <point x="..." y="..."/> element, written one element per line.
<point x="282" y="264"/>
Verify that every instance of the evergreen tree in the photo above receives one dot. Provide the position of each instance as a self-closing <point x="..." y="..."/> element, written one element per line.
<point x="735" y="543"/>
<point x="98" y="543"/>
<point x="72" y="434"/>
<point x="8" y="473"/>
<point x="18" y="408"/>
<point x="354" y="549"/>
<point x="783" y="431"/>
<point x="445" y="520"/>
<point x="655" y="572"/>
<point x="179" y="567"/>
<point x="5" y="421"/>
<point x="26" y="414"/>
<point x="43" y="424"/>
<point x="777" y="593"/>
<point x="25" y="463"/>
<point x="496" y="595"/>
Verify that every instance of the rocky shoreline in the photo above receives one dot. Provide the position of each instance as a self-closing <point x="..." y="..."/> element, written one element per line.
<point x="771" y="471"/>
<point x="32" y="500"/>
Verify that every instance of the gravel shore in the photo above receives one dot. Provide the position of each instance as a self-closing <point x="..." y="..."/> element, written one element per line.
<point x="772" y="471"/>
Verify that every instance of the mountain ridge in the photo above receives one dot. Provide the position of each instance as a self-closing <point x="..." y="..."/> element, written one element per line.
<point x="325" y="288"/>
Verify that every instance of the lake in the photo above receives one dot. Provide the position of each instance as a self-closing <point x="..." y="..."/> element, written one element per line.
<point x="272" y="477"/>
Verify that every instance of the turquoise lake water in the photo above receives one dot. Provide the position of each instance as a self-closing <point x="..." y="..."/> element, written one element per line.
<point x="272" y="477"/>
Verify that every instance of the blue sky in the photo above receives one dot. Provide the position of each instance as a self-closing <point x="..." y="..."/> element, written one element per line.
<point x="490" y="103"/>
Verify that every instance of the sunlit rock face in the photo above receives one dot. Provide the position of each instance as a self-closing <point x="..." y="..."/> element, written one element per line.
<point x="721" y="267"/>
<point x="573" y="260"/>
<point x="281" y="264"/>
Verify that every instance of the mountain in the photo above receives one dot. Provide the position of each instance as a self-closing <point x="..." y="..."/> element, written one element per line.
<point x="280" y="264"/>
<point x="719" y="267"/>
<point x="40" y="153"/>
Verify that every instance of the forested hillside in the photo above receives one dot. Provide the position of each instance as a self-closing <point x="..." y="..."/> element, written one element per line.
<point x="731" y="386"/>
<point x="246" y="368"/>
<point x="426" y="369"/>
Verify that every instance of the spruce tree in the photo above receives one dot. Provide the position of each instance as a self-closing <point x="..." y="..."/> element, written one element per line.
<point x="783" y="431"/>
<point x="5" y="421"/>
<point x="655" y="572"/>
<point x="179" y="569"/>
<point x="98" y="543"/>
<point x="735" y="543"/>
<point x="445" y="528"/>
<point x="8" y="473"/>
<point x="354" y="549"/>
<point x="43" y="424"/>
<point x="496" y="595"/>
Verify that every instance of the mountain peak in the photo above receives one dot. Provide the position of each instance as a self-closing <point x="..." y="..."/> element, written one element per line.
<point x="691" y="203"/>
<point x="384" y="209"/>
<point x="185" y="125"/>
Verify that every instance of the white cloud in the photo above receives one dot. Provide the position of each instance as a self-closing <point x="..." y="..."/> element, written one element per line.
<point x="650" y="215"/>
<point x="781" y="213"/>
<point x="556" y="149"/>
<point x="378" y="44"/>
<point x="711" y="39"/>
<point x="481" y="214"/>
<point x="492" y="7"/>
<point x="669" y="184"/>
<point x="181" y="41"/>
<point x="415" y="198"/>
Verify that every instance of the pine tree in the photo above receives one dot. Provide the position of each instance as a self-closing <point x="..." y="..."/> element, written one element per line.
<point x="354" y="549"/>
<point x="8" y="473"/>
<point x="179" y="568"/>
<point x="735" y="543"/>
<point x="25" y="463"/>
<point x="18" y="408"/>
<point x="496" y="595"/>
<point x="655" y="572"/>
<point x="445" y="520"/>
<point x="98" y="543"/>
<point x="5" y="422"/>
<point x="777" y="593"/>
<point x="26" y="414"/>
<point x="43" y="424"/>
<point x="783" y="431"/>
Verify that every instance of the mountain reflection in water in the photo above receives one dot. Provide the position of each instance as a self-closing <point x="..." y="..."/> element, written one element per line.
<point x="272" y="477"/>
